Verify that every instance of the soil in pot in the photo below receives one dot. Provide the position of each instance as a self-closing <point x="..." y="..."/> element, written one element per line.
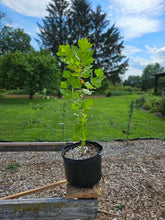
<point x="83" y="168"/>
<point x="80" y="153"/>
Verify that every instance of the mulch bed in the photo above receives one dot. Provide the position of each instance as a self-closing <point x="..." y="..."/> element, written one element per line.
<point x="133" y="183"/>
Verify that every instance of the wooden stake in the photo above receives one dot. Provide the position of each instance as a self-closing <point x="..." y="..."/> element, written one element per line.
<point x="31" y="191"/>
<point x="108" y="213"/>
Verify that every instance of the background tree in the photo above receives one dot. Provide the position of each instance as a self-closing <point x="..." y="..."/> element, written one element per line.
<point x="148" y="78"/>
<point x="13" y="70"/>
<point x="42" y="73"/>
<point x="79" y="21"/>
<point x="99" y="24"/>
<point x="134" y="81"/>
<point x="2" y="15"/>
<point x="12" y="40"/>
<point x="53" y="31"/>
<point x="31" y="72"/>
<point x="108" y="46"/>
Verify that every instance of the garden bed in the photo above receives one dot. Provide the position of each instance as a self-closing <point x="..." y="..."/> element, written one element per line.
<point x="133" y="186"/>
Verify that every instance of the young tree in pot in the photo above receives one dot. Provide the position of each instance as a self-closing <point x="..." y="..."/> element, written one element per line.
<point x="80" y="81"/>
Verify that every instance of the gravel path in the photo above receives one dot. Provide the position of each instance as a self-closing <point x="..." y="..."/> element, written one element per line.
<point x="133" y="184"/>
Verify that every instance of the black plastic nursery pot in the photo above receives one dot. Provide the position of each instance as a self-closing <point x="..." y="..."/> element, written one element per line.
<point x="85" y="172"/>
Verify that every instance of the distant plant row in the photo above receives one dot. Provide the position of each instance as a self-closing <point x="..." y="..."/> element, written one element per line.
<point x="151" y="103"/>
<point x="147" y="80"/>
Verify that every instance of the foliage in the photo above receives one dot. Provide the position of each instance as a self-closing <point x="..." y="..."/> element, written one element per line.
<point x="148" y="78"/>
<point x="42" y="72"/>
<point x="80" y="81"/>
<point x="53" y="31"/>
<point x="151" y="103"/>
<point x="66" y="24"/>
<point x="134" y="81"/>
<point x="140" y="101"/>
<point x="119" y="90"/>
<point x="162" y="106"/>
<point x="13" y="70"/>
<point x="2" y="15"/>
<point x="31" y="71"/>
<point x="12" y="40"/>
<point x="13" y="167"/>
<point x="79" y="21"/>
<point x="110" y="56"/>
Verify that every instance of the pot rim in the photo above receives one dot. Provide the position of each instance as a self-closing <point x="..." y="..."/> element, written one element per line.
<point x="76" y="144"/>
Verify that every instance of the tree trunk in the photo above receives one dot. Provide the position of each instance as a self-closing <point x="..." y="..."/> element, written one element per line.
<point x="31" y="95"/>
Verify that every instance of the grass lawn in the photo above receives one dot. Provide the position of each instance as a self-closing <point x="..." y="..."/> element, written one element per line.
<point x="107" y="120"/>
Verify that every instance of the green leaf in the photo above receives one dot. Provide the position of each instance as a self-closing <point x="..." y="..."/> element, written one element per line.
<point x="88" y="85"/>
<point x="96" y="81"/>
<point x="87" y="71"/>
<point x="87" y="91"/>
<point x="74" y="82"/>
<point x="75" y="50"/>
<point x="75" y="106"/>
<point x="75" y="95"/>
<point x="84" y="44"/>
<point x="66" y="93"/>
<point x="63" y="50"/>
<point x="64" y="85"/>
<point x="99" y="72"/>
<point x="101" y="78"/>
<point x="66" y="74"/>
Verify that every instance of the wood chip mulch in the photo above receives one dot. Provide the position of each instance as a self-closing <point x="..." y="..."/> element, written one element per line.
<point x="133" y="183"/>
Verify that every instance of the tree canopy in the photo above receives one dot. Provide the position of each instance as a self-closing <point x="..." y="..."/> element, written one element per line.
<point x="53" y="30"/>
<point x="148" y="78"/>
<point x="12" y="40"/>
<point x="134" y="81"/>
<point x="31" y="71"/>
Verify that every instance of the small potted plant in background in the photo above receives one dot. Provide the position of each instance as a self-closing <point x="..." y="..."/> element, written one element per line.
<point x="82" y="160"/>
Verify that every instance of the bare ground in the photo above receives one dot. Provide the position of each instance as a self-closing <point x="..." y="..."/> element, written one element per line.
<point x="133" y="184"/>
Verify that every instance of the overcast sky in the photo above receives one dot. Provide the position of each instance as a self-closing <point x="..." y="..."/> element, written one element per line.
<point x="141" y="23"/>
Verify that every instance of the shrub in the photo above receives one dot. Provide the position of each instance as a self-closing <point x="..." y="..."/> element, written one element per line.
<point x="119" y="90"/>
<point x="162" y="106"/>
<point x="147" y="105"/>
<point x="151" y="103"/>
<point x="129" y="89"/>
<point x="140" y="101"/>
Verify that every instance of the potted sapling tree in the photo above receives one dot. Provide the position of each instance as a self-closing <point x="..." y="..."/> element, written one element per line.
<point x="82" y="160"/>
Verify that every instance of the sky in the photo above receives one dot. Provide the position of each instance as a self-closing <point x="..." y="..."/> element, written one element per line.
<point x="141" y="24"/>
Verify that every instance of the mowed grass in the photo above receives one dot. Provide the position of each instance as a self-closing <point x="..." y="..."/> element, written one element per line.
<point x="107" y="120"/>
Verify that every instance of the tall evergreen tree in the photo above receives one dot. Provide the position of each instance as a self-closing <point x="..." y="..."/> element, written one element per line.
<point x="108" y="47"/>
<point x="113" y="61"/>
<point x="2" y="15"/>
<point x="79" y="22"/>
<point x="99" y="24"/>
<point x="53" y="31"/>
